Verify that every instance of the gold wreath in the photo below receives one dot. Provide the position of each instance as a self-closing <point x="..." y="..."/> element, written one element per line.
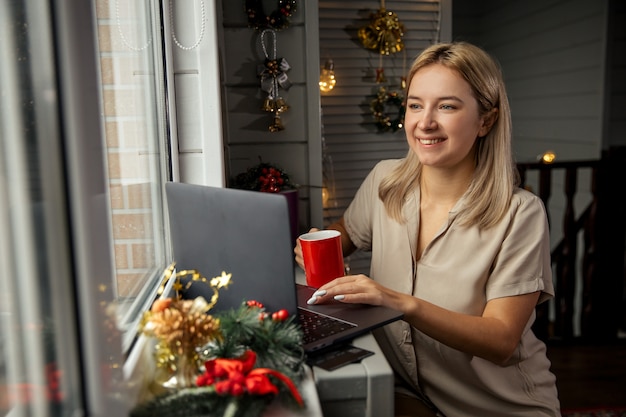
<point x="383" y="121"/>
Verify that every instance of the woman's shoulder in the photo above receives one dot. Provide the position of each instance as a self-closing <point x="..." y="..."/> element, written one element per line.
<point x="523" y="198"/>
<point x="386" y="166"/>
<point x="382" y="170"/>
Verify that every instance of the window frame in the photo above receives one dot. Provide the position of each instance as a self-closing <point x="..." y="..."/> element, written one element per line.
<point x="115" y="27"/>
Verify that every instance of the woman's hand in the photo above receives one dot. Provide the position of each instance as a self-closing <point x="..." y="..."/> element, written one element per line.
<point x="359" y="289"/>
<point x="347" y="246"/>
<point x="298" y="250"/>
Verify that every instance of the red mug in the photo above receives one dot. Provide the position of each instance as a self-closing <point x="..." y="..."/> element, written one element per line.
<point x="323" y="257"/>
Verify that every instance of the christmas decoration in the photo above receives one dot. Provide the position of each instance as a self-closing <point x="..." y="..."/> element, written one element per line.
<point x="263" y="177"/>
<point x="273" y="75"/>
<point x="202" y="28"/>
<point x="241" y="359"/>
<point x="379" y="107"/>
<point x="181" y="327"/>
<point x="278" y="19"/>
<point x="380" y="75"/>
<point x="327" y="76"/>
<point x="383" y="33"/>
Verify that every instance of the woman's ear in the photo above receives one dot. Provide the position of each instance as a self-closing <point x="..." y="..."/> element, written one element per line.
<point x="487" y="122"/>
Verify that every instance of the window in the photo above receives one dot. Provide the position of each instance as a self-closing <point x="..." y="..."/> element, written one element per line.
<point x="84" y="153"/>
<point x="137" y="157"/>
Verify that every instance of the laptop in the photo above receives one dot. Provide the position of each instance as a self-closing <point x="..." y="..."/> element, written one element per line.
<point x="247" y="234"/>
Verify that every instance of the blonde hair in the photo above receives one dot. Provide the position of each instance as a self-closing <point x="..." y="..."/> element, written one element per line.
<point x="495" y="177"/>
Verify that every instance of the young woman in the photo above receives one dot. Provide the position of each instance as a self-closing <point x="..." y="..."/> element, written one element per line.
<point x="457" y="246"/>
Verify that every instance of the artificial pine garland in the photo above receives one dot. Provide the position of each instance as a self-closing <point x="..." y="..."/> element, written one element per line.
<point x="277" y="19"/>
<point x="275" y="339"/>
<point x="201" y="401"/>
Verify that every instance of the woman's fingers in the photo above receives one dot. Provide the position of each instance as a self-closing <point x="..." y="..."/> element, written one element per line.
<point x="349" y="289"/>
<point x="298" y="250"/>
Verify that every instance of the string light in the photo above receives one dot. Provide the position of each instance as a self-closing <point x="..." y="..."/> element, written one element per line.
<point x="547" y="157"/>
<point x="325" y="197"/>
<point x="327" y="77"/>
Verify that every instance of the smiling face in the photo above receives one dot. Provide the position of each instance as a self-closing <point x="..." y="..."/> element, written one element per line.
<point x="442" y="120"/>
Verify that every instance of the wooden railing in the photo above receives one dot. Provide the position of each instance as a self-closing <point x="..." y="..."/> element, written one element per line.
<point x="601" y="259"/>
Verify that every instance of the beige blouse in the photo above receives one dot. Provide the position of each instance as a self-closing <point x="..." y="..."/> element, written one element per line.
<point x="460" y="270"/>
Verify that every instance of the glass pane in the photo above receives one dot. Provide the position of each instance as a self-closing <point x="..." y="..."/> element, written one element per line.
<point x="131" y="62"/>
<point x="38" y="347"/>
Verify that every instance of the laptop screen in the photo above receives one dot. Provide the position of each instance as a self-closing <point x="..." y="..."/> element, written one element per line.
<point x="244" y="233"/>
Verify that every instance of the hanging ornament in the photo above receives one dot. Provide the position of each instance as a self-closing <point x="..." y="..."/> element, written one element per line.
<point x="380" y="75"/>
<point x="388" y="108"/>
<point x="383" y="105"/>
<point x="278" y="19"/>
<point x="273" y="75"/>
<point x="383" y="33"/>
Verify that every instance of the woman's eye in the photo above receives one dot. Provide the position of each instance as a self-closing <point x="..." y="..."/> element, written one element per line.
<point x="447" y="107"/>
<point x="415" y="106"/>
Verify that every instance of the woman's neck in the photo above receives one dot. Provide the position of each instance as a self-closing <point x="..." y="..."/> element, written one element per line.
<point x="444" y="186"/>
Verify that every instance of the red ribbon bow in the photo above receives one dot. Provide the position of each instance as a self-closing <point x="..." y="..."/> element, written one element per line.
<point x="237" y="376"/>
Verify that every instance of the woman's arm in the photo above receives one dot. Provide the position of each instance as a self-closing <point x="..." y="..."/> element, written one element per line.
<point x="493" y="336"/>
<point x="347" y="246"/>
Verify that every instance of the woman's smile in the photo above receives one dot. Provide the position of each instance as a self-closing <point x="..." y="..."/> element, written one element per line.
<point x="430" y="141"/>
<point x="442" y="121"/>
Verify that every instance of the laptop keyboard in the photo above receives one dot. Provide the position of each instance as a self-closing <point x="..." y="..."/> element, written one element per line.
<point x="316" y="326"/>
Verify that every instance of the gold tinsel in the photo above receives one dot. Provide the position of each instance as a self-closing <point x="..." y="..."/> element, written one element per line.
<point x="383" y="33"/>
<point x="182" y="326"/>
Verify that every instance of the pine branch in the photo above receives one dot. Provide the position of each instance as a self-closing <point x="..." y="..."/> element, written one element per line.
<point x="201" y="401"/>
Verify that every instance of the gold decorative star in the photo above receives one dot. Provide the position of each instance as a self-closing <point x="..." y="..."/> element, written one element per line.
<point x="221" y="281"/>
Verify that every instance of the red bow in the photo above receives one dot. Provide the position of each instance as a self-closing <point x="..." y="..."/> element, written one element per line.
<point x="237" y="377"/>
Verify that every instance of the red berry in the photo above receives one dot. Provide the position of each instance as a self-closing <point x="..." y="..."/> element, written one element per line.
<point x="254" y="303"/>
<point x="280" y="315"/>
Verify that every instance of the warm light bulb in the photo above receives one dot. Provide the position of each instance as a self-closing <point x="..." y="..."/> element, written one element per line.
<point x="327" y="77"/>
<point x="547" y="157"/>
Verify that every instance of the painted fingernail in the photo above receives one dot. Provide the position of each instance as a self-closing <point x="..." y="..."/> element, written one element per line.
<point x="319" y="293"/>
<point x="311" y="300"/>
<point x="339" y="297"/>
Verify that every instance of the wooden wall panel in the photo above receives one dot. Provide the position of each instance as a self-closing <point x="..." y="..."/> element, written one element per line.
<point x="247" y="138"/>
<point x="552" y="54"/>
<point x="353" y="142"/>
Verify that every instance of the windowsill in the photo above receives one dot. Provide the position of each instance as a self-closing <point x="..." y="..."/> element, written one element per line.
<point x="139" y="370"/>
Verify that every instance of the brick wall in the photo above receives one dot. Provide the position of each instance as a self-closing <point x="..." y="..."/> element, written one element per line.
<point x="127" y="123"/>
